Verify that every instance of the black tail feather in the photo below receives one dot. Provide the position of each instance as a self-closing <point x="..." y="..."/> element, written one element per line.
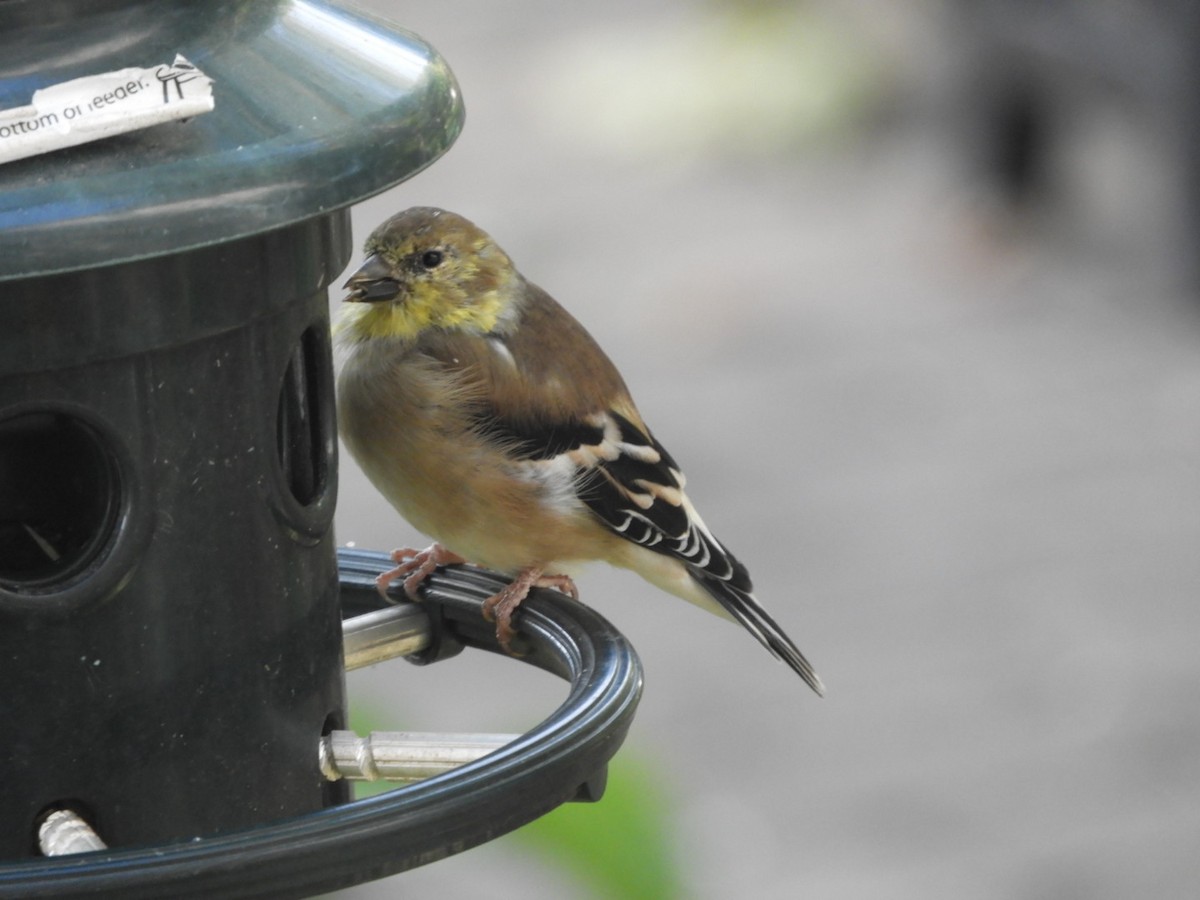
<point x="747" y="611"/>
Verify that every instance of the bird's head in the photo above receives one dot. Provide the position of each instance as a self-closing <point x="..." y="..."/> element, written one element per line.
<point x="429" y="269"/>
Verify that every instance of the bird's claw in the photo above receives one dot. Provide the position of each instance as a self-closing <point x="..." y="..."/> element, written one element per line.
<point x="414" y="566"/>
<point x="499" y="607"/>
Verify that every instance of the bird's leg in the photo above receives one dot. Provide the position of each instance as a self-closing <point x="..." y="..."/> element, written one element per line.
<point x="414" y="566"/>
<point x="499" y="607"/>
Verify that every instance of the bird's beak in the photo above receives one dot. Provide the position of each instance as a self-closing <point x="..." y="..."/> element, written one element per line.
<point x="372" y="282"/>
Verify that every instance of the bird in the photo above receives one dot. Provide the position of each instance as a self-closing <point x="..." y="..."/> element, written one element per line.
<point x="492" y="421"/>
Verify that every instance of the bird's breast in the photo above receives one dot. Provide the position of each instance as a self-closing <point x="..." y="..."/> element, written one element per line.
<point x="411" y="423"/>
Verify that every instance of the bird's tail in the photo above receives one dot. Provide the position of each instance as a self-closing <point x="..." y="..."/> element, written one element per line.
<point x="744" y="608"/>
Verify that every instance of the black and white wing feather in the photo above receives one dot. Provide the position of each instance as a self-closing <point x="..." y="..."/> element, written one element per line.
<point x="632" y="484"/>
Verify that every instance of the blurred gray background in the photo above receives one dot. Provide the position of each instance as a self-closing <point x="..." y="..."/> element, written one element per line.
<point x="952" y="425"/>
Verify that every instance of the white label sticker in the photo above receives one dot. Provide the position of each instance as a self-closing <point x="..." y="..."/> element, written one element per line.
<point x="99" y="106"/>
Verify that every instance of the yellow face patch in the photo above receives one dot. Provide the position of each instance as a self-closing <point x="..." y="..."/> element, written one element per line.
<point x="447" y="274"/>
<point x="427" y="306"/>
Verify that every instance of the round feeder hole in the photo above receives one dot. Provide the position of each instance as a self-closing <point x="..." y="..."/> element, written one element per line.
<point x="59" y="499"/>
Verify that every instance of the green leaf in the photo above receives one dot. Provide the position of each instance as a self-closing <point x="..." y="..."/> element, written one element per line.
<point x="619" y="847"/>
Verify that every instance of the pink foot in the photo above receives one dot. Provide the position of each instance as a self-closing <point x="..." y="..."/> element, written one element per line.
<point x="414" y="566"/>
<point x="499" y="607"/>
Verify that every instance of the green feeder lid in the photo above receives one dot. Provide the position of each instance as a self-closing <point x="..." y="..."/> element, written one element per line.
<point x="314" y="108"/>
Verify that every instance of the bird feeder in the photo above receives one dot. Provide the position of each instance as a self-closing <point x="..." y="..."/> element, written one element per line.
<point x="172" y="643"/>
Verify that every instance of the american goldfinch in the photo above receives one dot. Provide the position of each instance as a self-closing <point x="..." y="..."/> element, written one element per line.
<point x="494" y="423"/>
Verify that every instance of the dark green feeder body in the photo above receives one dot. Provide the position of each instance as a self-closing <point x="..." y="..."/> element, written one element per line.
<point x="170" y="636"/>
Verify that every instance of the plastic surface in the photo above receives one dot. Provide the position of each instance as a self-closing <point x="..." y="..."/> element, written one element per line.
<point x="414" y="825"/>
<point x="169" y="623"/>
<point x="169" y="619"/>
<point x="316" y="107"/>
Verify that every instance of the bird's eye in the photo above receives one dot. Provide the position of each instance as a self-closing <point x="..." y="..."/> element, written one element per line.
<point x="431" y="259"/>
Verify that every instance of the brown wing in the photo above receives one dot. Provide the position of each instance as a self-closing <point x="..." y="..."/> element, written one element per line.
<point x="529" y="386"/>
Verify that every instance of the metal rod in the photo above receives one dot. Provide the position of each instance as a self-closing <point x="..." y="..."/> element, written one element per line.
<point x="64" y="832"/>
<point x="402" y="755"/>
<point x="562" y="758"/>
<point x="372" y="637"/>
